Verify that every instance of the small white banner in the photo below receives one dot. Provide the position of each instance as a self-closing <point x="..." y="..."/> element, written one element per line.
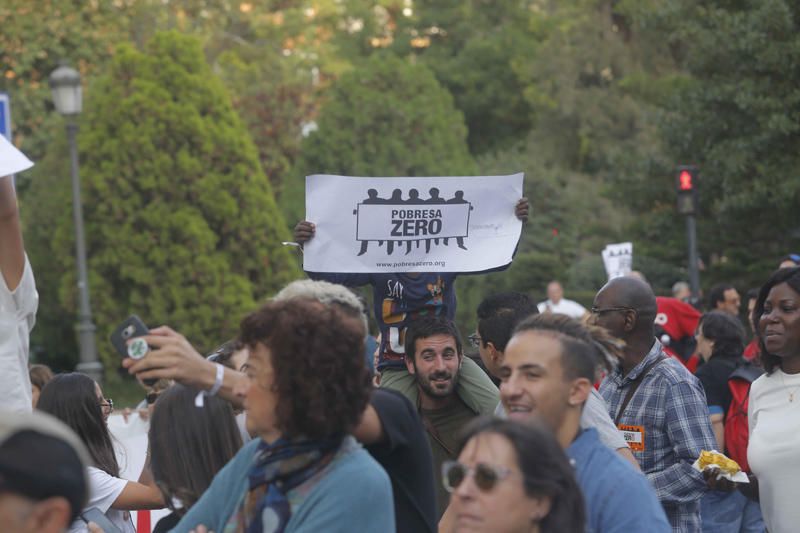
<point x="444" y="224"/>
<point x="618" y="259"/>
<point x="11" y="159"/>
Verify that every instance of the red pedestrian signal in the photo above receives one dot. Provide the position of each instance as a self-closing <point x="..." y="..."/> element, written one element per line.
<point x="685" y="181"/>
<point x="687" y="194"/>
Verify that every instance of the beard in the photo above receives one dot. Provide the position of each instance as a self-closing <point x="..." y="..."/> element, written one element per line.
<point x="434" y="390"/>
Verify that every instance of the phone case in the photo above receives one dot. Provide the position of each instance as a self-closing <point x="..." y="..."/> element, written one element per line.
<point x="131" y="328"/>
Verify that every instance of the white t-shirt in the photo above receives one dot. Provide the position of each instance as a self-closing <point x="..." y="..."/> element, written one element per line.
<point x="563" y="307"/>
<point x="17" y="317"/>
<point x="773" y="448"/>
<point x="595" y="415"/>
<point x="104" y="490"/>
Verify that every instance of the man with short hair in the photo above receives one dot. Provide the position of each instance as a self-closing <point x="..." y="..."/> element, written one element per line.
<point x="724" y="297"/>
<point x="681" y="291"/>
<point x="498" y="315"/>
<point x="433" y="356"/>
<point x="657" y="403"/>
<point x="43" y="484"/>
<point x="547" y="375"/>
<point x="556" y="303"/>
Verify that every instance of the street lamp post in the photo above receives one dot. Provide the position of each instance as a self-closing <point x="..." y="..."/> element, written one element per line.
<point x="65" y="83"/>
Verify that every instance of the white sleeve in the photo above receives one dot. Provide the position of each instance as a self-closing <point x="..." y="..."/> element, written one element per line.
<point x="104" y="489"/>
<point x="595" y="415"/>
<point x="24" y="300"/>
<point x="751" y="410"/>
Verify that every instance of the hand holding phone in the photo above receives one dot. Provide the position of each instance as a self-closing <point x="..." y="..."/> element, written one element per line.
<point x="127" y="341"/>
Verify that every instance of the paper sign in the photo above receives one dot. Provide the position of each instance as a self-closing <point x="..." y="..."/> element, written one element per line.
<point x="443" y="224"/>
<point x="618" y="259"/>
<point x="11" y="159"/>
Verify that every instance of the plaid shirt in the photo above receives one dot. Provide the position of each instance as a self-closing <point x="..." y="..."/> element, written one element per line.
<point x="671" y="407"/>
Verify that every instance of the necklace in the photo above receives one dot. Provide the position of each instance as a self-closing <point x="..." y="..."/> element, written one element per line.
<point x="791" y="394"/>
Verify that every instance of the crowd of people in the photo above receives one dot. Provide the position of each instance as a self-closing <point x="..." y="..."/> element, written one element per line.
<point x="566" y="420"/>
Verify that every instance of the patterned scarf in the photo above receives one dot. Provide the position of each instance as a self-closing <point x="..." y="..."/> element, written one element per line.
<point x="278" y="468"/>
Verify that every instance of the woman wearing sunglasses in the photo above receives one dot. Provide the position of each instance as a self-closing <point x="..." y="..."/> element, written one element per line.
<point x="511" y="478"/>
<point x="78" y="401"/>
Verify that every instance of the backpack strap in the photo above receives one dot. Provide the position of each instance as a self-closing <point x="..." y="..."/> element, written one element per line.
<point x="634" y="386"/>
<point x="748" y="372"/>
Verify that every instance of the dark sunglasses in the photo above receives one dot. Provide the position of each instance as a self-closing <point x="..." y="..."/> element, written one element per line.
<point x="151" y="397"/>
<point x="601" y="310"/>
<point x="485" y="476"/>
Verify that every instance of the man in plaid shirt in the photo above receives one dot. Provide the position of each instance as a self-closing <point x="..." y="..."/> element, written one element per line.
<point x="665" y="421"/>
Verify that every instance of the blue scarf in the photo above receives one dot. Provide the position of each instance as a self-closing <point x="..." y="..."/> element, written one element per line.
<point x="278" y="468"/>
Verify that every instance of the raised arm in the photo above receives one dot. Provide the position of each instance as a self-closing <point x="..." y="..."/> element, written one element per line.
<point x="12" y="251"/>
<point x="174" y="358"/>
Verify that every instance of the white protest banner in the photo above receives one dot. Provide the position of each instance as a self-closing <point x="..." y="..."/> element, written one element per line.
<point x="618" y="259"/>
<point x="443" y="224"/>
<point x="11" y="159"/>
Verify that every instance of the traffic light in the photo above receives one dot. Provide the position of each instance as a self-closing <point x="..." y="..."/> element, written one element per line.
<point x="685" y="184"/>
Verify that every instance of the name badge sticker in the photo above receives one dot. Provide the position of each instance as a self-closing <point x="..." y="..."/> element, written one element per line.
<point x="634" y="436"/>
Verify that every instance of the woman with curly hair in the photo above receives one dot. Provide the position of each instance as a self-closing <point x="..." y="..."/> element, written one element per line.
<point x="308" y="389"/>
<point x="774" y="408"/>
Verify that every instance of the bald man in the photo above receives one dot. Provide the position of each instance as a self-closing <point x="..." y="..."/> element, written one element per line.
<point x="658" y="405"/>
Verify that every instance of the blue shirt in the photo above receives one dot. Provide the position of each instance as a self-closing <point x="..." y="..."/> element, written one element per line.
<point x="365" y="505"/>
<point x="670" y="406"/>
<point x="617" y="497"/>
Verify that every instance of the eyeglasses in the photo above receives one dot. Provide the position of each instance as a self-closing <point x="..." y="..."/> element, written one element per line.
<point x="152" y="397"/>
<point x="485" y="476"/>
<point x="108" y="403"/>
<point x="474" y="340"/>
<point x="601" y="310"/>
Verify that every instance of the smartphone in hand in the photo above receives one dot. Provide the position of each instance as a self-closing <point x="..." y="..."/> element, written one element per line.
<point x="131" y="328"/>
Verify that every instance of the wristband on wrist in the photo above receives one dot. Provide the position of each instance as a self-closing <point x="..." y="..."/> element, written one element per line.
<point x="199" y="399"/>
<point x="217" y="380"/>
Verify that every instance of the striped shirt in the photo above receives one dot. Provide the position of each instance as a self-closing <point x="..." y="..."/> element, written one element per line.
<point x="670" y="406"/>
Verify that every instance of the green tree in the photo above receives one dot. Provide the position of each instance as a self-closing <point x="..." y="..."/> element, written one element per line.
<point x="387" y="117"/>
<point x="35" y="37"/>
<point x="181" y="224"/>
<point x="738" y="120"/>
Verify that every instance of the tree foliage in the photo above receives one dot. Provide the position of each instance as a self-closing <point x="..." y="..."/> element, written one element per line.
<point x="387" y="117"/>
<point x="181" y="223"/>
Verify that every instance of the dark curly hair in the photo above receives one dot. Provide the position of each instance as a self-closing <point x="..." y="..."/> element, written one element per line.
<point x="545" y="468"/>
<point x="790" y="276"/>
<point x="321" y="378"/>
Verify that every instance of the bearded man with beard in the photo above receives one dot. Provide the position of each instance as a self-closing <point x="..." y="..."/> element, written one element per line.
<point x="436" y="354"/>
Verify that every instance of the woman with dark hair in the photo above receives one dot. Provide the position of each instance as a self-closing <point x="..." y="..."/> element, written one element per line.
<point x="308" y="390"/>
<point x="77" y="400"/>
<point x="720" y="343"/>
<point x="188" y="446"/>
<point x="774" y="408"/>
<point x="512" y="478"/>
